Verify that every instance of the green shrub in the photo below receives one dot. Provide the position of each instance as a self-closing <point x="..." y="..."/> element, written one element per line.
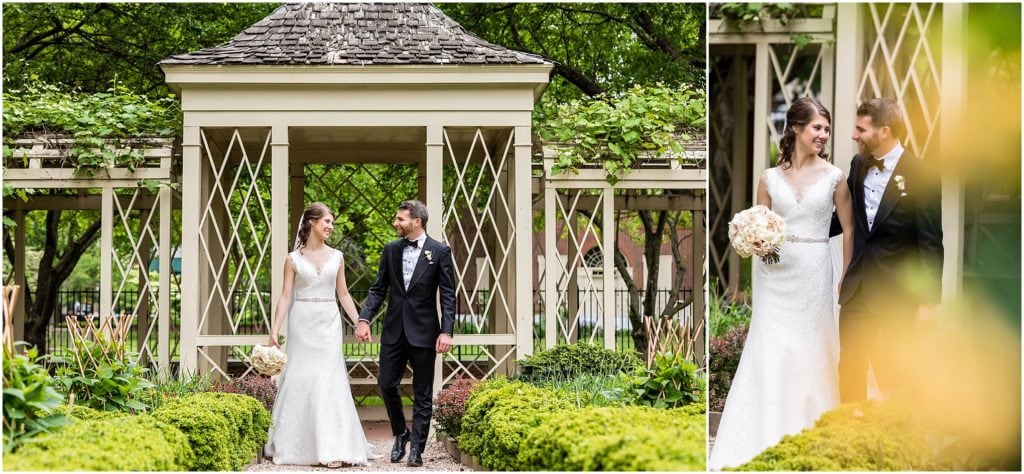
<point x="30" y="401"/>
<point x="868" y="436"/>
<point x="169" y="387"/>
<point x="124" y="443"/>
<point x="499" y="415"/>
<point x="616" y="439"/>
<point x="100" y="373"/>
<point x="81" y="413"/>
<point x="565" y="362"/>
<point x="224" y="429"/>
<point x="670" y="382"/>
<point x="593" y="390"/>
<point x="726" y="313"/>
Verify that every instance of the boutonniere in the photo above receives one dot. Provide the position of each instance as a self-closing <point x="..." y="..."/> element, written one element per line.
<point x="901" y="184"/>
<point x="429" y="254"/>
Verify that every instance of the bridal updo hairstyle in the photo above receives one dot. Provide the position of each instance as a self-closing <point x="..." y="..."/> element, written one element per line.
<point x="314" y="211"/>
<point x="800" y="113"/>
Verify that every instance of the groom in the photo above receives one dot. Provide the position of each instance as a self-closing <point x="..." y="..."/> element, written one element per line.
<point x="412" y="269"/>
<point x="894" y="279"/>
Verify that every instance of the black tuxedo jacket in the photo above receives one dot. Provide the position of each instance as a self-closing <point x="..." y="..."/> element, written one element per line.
<point x="414" y="311"/>
<point x="899" y="260"/>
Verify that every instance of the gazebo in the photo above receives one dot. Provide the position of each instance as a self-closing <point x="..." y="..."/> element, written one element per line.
<point x="331" y="83"/>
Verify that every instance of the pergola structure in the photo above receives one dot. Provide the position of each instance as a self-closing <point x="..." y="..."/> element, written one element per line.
<point x="396" y="85"/>
<point x="133" y="218"/>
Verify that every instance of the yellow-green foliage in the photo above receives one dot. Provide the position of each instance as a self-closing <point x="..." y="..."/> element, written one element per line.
<point x="499" y="415"/>
<point x="126" y="443"/>
<point x="881" y="437"/>
<point x="82" y="412"/>
<point x="617" y="439"/>
<point x="224" y="429"/>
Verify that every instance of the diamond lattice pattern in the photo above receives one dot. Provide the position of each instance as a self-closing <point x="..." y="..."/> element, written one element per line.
<point x="904" y="40"/>
<point x="234" y="240"/>
<point x="478" y="224"/>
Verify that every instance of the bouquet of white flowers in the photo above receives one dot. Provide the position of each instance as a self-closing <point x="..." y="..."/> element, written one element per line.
<point x="757" y="231"/>
<point x="268" y="360"/>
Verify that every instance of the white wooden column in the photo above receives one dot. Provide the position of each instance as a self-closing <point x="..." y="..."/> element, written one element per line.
<point x="697" y="247"/>
<point x="552" y="272"/>
<point x="435" y="208"/>
<point x="762" y="101"/>
<point x="279" y="219"/>
<point x="190" y="213"/>
<point x="522" y="200"/>
<point x="18" y="321"/>
<point x="954" y="83"/>
<point x="609" y="230"/>
<point x="163" y="341"/>
<point x="106" y="252"/>
<point x="849" y="42"/>
<point x="740" y="137"/>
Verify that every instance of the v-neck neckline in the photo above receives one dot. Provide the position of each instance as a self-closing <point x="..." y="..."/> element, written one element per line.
<point x="315" y="267"/>
<point x="798" y="195"/>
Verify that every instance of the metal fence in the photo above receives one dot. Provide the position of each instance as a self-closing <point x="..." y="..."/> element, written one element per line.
<point x="85" y="304"/>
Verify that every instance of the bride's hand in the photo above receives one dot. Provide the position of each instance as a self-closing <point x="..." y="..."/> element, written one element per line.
<point x="273" y="341"/>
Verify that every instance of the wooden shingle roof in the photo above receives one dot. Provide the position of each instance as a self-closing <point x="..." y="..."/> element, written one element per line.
<point x="356" y="34"/>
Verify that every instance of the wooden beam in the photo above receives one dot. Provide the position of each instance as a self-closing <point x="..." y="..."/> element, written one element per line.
<point x="90" y="202"/>
<point x="687" y="202"/>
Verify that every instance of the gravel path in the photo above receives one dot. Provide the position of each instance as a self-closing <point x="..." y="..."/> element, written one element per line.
<point x="379" y="434"/>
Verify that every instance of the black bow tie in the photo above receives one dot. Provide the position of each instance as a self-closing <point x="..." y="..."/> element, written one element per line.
<point x="408" y="243"/>
<point x="876" y="163"/>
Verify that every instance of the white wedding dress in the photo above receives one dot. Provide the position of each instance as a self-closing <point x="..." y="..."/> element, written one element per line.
<point x="315" y="419"/>
<point x="788" y="372"/>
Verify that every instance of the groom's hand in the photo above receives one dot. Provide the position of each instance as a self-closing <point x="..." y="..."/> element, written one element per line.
<point x="363" y="331"/>
<point x="444" y="343"/>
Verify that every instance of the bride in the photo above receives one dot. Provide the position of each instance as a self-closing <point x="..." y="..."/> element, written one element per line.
<point x="314" y="417"/>
<point x="788" y="375"/>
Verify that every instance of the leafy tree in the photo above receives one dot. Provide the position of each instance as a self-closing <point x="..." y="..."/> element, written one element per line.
<point x="597" y="47"/>
<point x="90" y="45"/>
<point x="89" y="118"/>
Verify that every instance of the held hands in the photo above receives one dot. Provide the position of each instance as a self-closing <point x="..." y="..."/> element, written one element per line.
<point x="363" y="331"/>
<point x="444" y="343"/>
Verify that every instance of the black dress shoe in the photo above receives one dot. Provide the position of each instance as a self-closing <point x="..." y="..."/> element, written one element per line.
<point x="415" y="460"/>
<point x="398" y="450"/>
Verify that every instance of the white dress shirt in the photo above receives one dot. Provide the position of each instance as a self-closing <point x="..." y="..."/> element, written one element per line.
<point x="410" y="255"/>
<point x="875" y="182"/>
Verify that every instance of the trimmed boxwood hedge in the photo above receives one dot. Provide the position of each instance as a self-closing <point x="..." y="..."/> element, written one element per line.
<point x="82" y="412"/>
<point x="880" y="436"/>
<point x="124" y="443"/>
<point x="225" y="430"/>
<point x="618" y="439"/>
<point x="499" y="415"/>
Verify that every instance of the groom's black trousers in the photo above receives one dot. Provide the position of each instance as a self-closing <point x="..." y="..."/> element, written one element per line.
<point x="880" y="335"/>
<point x="393" y="359"/>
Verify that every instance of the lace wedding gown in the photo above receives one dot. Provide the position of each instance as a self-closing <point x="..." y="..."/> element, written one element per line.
<point x="788" y="372"/>
<point x="314" y="418"/>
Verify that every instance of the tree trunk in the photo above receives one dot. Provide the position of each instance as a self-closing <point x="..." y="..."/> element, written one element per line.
<point x="53" y="272"/>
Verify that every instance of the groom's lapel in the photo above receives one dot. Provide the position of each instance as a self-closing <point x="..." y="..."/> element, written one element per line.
<point x="891" y="196"/>
<point x="396" y="264"/>
<point x="858" y="194"/>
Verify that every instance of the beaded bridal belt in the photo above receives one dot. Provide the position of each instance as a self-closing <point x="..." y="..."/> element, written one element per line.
<point x="317" y="300"/>
<point x="806" y="240"/>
